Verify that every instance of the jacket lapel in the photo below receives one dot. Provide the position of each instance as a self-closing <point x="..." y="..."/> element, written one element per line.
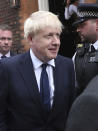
<point x="27" y="72"/>
<point x="56" y="85"/>
<point x="58" y="90"/>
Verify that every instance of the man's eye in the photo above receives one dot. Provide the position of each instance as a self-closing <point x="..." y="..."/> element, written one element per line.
<point x="48" y="36"/>
<point x="58" y="35"/>
<point x="52" y="35"/>
<point x="2" y="38"/>
<point x="9" y="38"/>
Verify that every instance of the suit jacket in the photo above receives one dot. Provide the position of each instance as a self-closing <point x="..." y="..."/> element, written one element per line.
<point x="83" y="115"/>
<point x="12" y="53"/>
<point x="20" y="105"/>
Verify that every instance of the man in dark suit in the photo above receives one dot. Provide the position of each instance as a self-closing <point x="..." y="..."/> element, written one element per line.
<point x="6" y="40"/>
<point x="25" y="103"/>
<point x="83" y="115"/>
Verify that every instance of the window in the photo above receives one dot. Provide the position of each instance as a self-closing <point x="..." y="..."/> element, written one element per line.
<point x="15" y="3"/>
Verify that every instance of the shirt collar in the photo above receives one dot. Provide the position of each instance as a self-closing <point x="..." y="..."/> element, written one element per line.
<point x="7" y="55"/>
<point x="96" y="45"/>
<point x="37" y="63"/>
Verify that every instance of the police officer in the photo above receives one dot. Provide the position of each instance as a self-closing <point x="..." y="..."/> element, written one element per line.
<point x="86" y="56"/>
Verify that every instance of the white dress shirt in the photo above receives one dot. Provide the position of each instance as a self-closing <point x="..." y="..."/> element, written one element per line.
<point x="96" y="45"/>
<point x="37" y="69"/>
<point x="7" y="55"/>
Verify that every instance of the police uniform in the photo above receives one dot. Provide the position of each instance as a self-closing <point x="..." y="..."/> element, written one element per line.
<point x="86" y="65"/>
<point x="86" y="59"/>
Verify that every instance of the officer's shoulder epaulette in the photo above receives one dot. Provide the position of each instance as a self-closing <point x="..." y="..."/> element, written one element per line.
<point x="80" y="49"/>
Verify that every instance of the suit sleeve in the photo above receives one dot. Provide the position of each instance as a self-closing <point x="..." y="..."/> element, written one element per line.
<point x="73" y="83"/>
<point x="83" y="115"/>
<point x="3" y="98"/>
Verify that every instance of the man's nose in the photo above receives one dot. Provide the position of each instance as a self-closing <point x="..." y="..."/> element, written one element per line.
<point x="78" y="29"/>
<point x="56" y="39"/>
<point x="6" y="40"/>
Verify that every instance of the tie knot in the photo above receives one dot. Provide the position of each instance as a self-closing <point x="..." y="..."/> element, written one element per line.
<point x="3" y="56"/>
<point x="44" y="66"/>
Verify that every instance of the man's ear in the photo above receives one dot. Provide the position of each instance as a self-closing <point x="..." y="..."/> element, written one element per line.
<point x="29" y="38"/>
<point x="97" y="25"/>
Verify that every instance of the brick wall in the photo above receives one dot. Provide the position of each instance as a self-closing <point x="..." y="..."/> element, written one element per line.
<point x="90" y="1"/>
<point x="15" y="17"/>
<point x="26" y="8"/>
<point x="9" y="15"/>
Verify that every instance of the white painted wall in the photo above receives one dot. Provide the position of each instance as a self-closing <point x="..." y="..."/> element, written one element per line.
<point x="43" y="5"/>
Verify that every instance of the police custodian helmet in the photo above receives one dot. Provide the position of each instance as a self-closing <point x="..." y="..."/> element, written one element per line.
<point x="85" y="12"/>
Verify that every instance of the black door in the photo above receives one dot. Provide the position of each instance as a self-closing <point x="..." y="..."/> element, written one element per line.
<point x="67" y="39"/>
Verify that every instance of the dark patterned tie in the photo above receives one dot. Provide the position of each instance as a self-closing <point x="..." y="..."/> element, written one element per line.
<point x="44" y="88"/>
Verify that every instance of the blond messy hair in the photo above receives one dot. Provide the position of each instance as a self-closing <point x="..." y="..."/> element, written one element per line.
<point x="39" y="20"/>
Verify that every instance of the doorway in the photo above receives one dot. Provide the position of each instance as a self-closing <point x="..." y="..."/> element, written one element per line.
<point x="67" y="40"/>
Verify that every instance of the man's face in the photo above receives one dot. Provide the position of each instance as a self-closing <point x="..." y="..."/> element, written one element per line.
<point x="5" y="41"/>
<point x="45" y="44"/>
<point x="87" y="31"/>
